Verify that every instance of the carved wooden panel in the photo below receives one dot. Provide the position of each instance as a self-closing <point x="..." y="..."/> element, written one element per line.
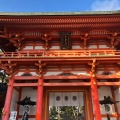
<point x="65" y="41"/>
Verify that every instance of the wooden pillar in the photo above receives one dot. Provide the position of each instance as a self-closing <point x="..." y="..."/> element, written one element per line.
<point x="19" y="98"/>
<point x="95" y="98"/>
<point x="115" y="105"/>
<point x="6" y="110"/>
<point x="39" y="104"/>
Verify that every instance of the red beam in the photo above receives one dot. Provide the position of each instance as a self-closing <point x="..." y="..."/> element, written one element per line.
<point x="25" y="84"/>
<point x="66" y="77"/>
<point x="107" y="77"/>
<point x="68" y="84"/>
<point x="26" y="77"/>
<point x="108" y="83"/>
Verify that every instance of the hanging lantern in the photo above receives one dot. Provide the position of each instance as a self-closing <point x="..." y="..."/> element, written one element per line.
<point x="106" y="102"/>
<point x="26" y="102"/>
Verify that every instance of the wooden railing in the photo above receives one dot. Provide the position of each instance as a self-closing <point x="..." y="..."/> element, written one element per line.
<point x="66" y="53"/>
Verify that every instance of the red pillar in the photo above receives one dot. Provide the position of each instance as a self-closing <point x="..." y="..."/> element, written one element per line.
<point x="39" y="104"/>
<point x="6" y="110"/>
<point x="95" y="99"/>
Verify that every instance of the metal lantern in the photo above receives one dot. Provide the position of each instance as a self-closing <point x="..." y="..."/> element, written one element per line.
<point x="26" y="102"/>
<point x="106" y="102"/>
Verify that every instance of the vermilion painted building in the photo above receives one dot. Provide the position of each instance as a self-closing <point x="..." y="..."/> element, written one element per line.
<point x="64" y="62"/>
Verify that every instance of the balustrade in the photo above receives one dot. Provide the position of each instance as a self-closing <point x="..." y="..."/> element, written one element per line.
<point x="98" y="53"/>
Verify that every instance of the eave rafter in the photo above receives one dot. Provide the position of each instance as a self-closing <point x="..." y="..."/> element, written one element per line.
<point x="58" y="22"/>
<point x="8" y="66"/>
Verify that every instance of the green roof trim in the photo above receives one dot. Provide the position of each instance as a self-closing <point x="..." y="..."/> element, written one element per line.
<point x="58" y="13"/>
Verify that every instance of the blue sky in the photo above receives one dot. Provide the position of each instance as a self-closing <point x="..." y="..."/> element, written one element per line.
<point x="58" y="5"/>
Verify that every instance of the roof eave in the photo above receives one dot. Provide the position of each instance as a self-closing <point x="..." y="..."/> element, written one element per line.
<point x="58" y="13"/>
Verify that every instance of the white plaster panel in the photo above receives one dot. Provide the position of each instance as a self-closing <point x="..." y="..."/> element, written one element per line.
<point x="103" y="46"/>
<point x="55" y="48"/>
<point x="92" y="46"/>
<point x="76" y="47"/>
<point x="28" y="47"/>
<point x="117" y="97"/>
<point x="19" y="74"/>
<point x="39" y="47"/>
<point x="33" y="73"/>
<point x="52" y="73"/>
<point x="113" y="71"/>
<point x="29" y="92"/>
<point x="14" y="99"/>
<point x="100" y="72"/>
<point x="79" y="72"/>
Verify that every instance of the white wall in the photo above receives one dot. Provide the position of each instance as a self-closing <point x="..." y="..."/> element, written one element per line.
<point x="31" y="92"/>
<point x="13" y="106"/>
<point x="117" y="97"/>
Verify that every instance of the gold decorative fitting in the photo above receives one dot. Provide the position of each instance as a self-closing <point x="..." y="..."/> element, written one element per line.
<point x="9" y="76"/>
<point x="93" y="65"/>
<point x="3" y="112"/>
<point x="94" y="83"/>
<point x="46" y="48"/>
<point x="86" y="34"/>
<point x="93" y="75"/>
<point x="16" y="35"/>
<point x="9" y="61"/>
<point x="9" y="84"/>
<point x="115" y="34"/>
<point x="94" y="60"/>
<point x="45" y="35"/>
<point x="40" y="76"/>
<point x="112" y="46"/>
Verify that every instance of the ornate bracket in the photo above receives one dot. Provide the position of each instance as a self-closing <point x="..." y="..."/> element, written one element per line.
<point x="85" y="37"/>
<point x="40" y="66"/>
<point x="3" y="31"/>
<point x="16" y="40"/>
<point x="112" y="38"/>
<point x="93" y="64"/>
<point x="46" y="37"/>
<point x="8" y="67"/>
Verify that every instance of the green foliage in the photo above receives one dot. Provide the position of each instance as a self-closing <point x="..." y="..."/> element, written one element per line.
<point x="53" y="113"/>
<point x="66" y="112"/>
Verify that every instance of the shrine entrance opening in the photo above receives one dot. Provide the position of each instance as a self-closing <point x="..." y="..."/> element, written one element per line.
<point x="67" y="104"/>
